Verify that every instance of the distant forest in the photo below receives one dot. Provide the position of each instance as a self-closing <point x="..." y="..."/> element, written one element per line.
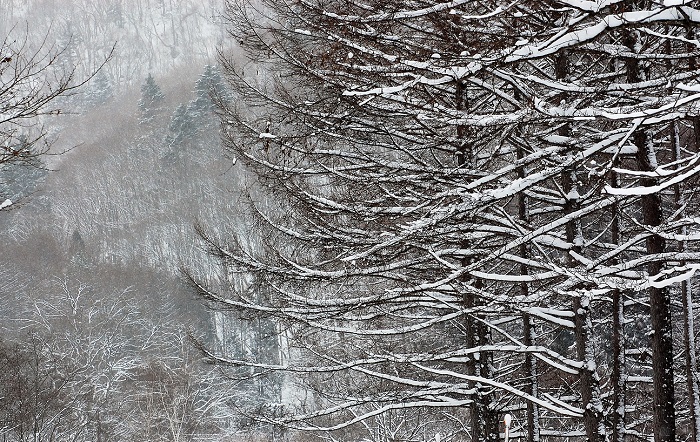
<point x="111" y="178"/>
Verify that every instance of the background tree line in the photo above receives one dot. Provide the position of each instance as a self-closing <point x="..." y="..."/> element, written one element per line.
<point x="151" y="35"/>
<point x="95" y="318"/>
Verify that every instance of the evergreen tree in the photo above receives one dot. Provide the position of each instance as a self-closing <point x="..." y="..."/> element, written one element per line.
<point x="182" y="125"/>
<point x="209" y="86"/>
<point x="100" y="89"/>
<point x="191" y="118"/>
<point x="77" y="252"/>
<point x="151" y="100"/>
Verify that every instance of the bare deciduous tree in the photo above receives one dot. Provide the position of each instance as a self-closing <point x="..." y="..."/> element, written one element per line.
<point x="32" y="79"/>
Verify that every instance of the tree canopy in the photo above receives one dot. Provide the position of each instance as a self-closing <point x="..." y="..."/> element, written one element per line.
<point x="476" y="200"/>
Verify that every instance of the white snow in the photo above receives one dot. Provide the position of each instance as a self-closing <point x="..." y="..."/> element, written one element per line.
<point x="590" y="6"/>
<point x="586" y="34"/>
<point x="648" y="190"/>
<point x="683" y="273"/>
<point x="547" y="315"/>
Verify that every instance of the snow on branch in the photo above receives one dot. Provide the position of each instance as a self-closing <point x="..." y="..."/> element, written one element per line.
<point x="579" y="36"/>
<point x="589" y="6"/>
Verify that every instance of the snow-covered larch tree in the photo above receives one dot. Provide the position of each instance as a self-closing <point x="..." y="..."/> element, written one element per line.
<point x="471" y="187"/>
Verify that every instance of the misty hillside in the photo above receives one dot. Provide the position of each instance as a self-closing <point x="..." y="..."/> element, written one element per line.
<point x="102" y="224"/>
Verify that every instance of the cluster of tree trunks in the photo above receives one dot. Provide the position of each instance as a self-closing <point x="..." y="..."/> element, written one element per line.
<point x="491" y="211"/>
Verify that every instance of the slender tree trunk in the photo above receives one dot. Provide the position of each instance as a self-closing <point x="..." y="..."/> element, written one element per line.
<point x="484" y="420"/>
<point x="533" y="418"/>
<point x="659" y="298"/>
<point x="691" y="361"/>
<point x="590" y="382"/>
<point x="533" y="411"/>
<point x="619" y="374"/>
<point x="686" y="295"/>
<point x="659" y="302"/>
<point x="686" y="289"/>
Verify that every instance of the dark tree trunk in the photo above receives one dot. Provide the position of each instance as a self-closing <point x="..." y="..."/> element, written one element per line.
<point x="533" y="412"/>
<point x="686" y="289"/>
<point x="659" y="302"/>
<point x="687" y="299"/>
<point x="484" y="420"/>
<point x="691" y="361"/>
<point x="619" y="374"/>
<point x="659" y="298"/>
<point x="590" y="383"/>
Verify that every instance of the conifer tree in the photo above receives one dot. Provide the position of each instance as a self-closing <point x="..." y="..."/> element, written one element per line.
<point x="100" y="89"/>
<point x="151" y="100"/>
<point x="208" y="88"/>
<point x="182" y="125"/>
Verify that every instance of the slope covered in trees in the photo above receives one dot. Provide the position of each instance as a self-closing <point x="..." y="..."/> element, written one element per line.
<point x="150" y="35"/>
<point x="482" y="209"/>
<point x="95" y="318"/>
